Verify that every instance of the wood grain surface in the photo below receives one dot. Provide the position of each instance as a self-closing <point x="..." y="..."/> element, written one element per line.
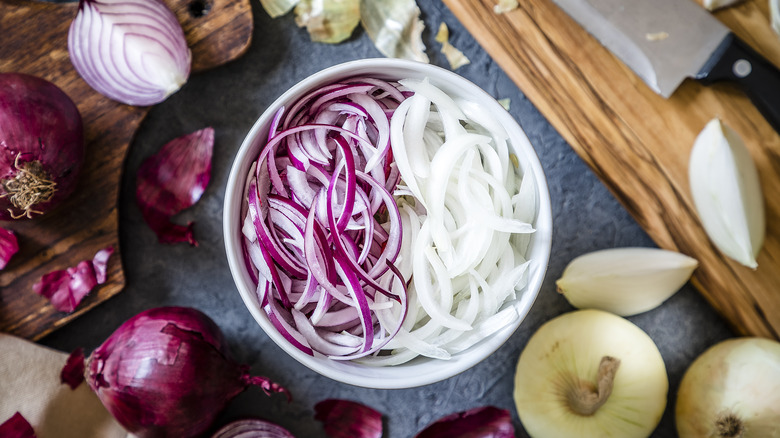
<point x="33" y="40"/>
<point x="639" y="143"/>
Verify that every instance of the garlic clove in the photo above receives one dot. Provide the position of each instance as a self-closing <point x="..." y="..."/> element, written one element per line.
<point x="727" y="192"/>
<point x="625" y="281"/>
<point x="590" y="373"/>
<point x="774" y="14"/>
<point x="712" y="5"/>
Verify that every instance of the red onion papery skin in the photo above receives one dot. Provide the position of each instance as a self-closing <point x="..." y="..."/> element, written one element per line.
<point x="482" y="422"/>
<point x="41" y="134"/>
<point x="174" y="179"/>
<point x="16" y="427"/>
<point x="8" y="246"/>
<point x="66" y="288"/>
<point x="252" y="428"/>
<point x="167" y="372"/>
<point x="72" y="373"/>
<point x="348" y="419"/>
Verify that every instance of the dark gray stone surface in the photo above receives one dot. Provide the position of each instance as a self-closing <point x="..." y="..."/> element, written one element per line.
<point x="231" y="98"/>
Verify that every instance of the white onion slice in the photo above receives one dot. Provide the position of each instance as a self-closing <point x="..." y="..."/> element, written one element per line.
<point x="465" y="213"/>
<point x="131" y="51"/>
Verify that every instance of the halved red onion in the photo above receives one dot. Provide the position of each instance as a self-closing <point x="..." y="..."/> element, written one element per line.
<point x="66" y="288"/>
<point x="8" y="246"/>
<point x="481" y="422"/>
<point x="16" y="427"/>
<point x="321" y="228"/>
<point x="174" y="179"/>
<point x="348" y="419"/>
<point x="72" y="373"/>
<point x="252" y="428"/>
<point x="131" y="51"/>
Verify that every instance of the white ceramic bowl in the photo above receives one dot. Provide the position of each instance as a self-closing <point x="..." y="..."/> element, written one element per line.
<point x="420" y="371"/>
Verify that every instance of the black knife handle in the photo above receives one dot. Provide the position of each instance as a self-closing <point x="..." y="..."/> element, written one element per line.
<point x="735" y="61"/>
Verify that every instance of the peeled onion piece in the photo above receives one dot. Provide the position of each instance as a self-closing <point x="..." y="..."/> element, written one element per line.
<point x="8" y="246"/>
<point x="252" y="428"/>
<point x="482" y="422"/>
<point x="167" y="372"/>
<point x="131" y="51"/>
<point x="174" y="179"/>
<point x="66" y="288"/>
<point x="348" y="419"/>
<point x="41" y="146"/>
<point x="16" y="427"/>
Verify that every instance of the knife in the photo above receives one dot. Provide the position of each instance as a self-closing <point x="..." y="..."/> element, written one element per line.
<point x="666" y="41"/>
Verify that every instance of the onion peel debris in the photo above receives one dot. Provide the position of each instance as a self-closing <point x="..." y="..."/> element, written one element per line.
<point x="172" y="180"/>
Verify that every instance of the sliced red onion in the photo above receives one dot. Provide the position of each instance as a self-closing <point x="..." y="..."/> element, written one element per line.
<point x="131" y="51"/>
<point x="252" y="428"/>
<point x="316" y="201"/>
<point x="16" y="427"/>
<point x="8" y="246"/>
<point x="348" y="419"/>
<point x="72" y="373"/>
<point x="172" y="180"/>
<point x="66" y="288"/>
<point x="482" y="422"/>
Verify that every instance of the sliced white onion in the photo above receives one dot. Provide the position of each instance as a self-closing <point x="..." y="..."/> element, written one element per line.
<point x="131" y="51"/>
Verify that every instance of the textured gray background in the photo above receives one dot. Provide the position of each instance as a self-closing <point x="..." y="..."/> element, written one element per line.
<point x="231" y="98"/>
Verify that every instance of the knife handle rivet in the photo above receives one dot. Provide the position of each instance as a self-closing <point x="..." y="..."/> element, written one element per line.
<point x="742" y="68"/>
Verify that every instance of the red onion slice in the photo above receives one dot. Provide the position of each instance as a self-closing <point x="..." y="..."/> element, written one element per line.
<point x="252" y="428"/>
<point x="348" y="419"/>
<point x="131" y="51"/>
<point x="172" y="180"/>
<point x="16" y="427"/>
<point x="8" y="246"/>
<point x="314" y="216"/>
<point x="482" y="422"/>
<point x="66" y="288"/>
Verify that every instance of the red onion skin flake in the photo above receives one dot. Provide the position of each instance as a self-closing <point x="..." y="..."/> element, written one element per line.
<point x="72" y="373"/>
<point x="8" y="246"/>
<point x="348" y="419"/>
<point x="482" y="422"/>
<point x="66" y="288"/>
<point x="172" y="180"/>
<point x="16" y="427"/>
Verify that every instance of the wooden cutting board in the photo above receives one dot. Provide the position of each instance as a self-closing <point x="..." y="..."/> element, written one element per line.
<point x="33" y="40"/>
<point x="639" y="144"/>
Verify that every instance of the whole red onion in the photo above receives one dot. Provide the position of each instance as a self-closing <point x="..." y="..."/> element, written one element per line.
<point x="41" y="145"/>
<point x="167" y="372"/>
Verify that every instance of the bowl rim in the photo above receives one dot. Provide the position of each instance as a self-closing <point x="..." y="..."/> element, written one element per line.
<point x="541" y="246"/>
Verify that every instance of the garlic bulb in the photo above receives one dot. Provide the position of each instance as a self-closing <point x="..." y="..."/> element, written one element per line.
<point x="732" y="390"/>
<point x="624" y="281"/>
<point x="727" y="192"/>
<point x="589" y="373"/>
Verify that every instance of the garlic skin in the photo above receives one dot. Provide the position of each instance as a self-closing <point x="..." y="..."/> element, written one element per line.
<point x="565" y="368"/>
<point x="731" y="390"/>
<point x="625" y="281"/>
<point x="727" y="193"/>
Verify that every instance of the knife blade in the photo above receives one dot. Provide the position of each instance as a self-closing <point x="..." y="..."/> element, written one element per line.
<point x="666" y="41"/>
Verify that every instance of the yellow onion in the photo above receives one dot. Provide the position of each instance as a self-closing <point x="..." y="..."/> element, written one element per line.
<point x="732" y="390"/>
